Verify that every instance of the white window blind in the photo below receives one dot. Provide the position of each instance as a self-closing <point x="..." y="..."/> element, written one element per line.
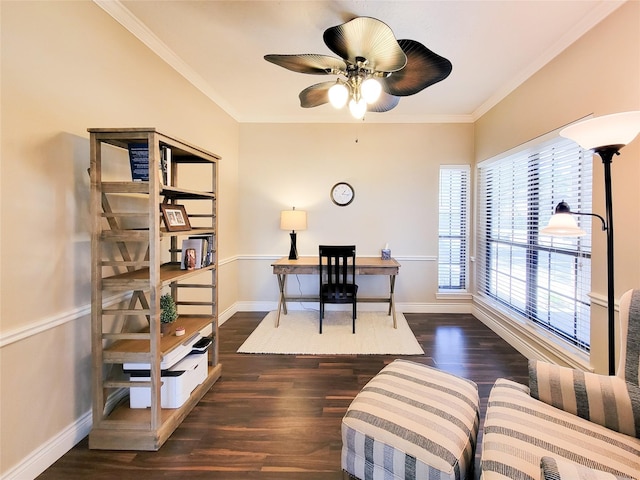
<point x="541" y="279"/>
<point x="452" y="228"/>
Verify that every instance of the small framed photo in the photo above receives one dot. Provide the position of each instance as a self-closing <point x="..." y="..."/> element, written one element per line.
<point x="192" y="249"/>
<point x="175" y="217"/>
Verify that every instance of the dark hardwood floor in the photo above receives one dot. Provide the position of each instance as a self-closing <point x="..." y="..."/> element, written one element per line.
<point x="277" y="417"/>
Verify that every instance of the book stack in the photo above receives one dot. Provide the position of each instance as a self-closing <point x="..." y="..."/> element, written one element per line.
<point x="165" y="165"/>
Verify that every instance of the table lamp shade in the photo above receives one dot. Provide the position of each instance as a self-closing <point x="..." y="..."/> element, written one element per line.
<point x="617" y="129"/>
<point x="293" y="220"/>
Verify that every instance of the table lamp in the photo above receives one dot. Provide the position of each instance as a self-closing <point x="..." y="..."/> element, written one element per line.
<point x="293" y="220"/>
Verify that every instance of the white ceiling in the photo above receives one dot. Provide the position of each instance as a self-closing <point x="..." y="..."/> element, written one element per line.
<point x="219" y="46"/>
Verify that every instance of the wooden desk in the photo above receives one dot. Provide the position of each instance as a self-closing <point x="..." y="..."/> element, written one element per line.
<point x="311" y="266"/>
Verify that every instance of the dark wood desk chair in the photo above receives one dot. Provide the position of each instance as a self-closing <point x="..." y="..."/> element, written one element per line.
<point x="338" y="277"/>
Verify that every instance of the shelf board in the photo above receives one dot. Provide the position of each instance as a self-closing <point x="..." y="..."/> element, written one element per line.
<point x="122" y="137"/>
<point x="166" y="191"/>
<point x="193" y="231"/>
<point x="140" y="279"/>
<point x="183" y="194"/>
<point x="142" y="234"/>
<point x="192" y="324"/>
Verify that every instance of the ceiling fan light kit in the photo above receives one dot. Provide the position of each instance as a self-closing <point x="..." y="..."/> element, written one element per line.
<point x="371" y="90"/>
<point x="338" y="94"/>
<point x="377" y="68"/>
<point x="358" y="108"/>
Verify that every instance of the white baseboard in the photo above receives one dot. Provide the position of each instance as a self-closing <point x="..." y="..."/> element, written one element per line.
<point x="48" y="453"/>
<point x="226" y="314"/>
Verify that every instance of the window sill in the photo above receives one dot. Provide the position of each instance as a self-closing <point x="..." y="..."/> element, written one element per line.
<point x="530" y="340"/>
<point x="462" y="295"/>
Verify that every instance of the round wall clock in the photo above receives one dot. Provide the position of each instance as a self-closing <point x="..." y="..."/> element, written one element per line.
<point x="342" y="194"/>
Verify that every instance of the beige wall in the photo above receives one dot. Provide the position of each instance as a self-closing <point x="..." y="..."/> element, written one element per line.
<point x="394" y="170"/>
<point x="67" y="66"/>
<point x="599" y="74"/>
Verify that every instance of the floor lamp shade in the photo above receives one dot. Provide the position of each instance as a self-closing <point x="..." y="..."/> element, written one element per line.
<point x="293" y="220"/>
<point x="617" y="129"/>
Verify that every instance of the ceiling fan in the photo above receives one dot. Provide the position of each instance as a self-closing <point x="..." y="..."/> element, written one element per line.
<point x="377" y="68"/>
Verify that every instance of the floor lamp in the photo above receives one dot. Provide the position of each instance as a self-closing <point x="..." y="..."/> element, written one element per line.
<point x="604" y="135"/>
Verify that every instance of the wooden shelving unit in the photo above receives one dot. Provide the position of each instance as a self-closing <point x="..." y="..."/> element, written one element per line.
<point x="134" y="261"/>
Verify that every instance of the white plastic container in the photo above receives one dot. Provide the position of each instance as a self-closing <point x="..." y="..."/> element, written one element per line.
<point x="177" y="383"/>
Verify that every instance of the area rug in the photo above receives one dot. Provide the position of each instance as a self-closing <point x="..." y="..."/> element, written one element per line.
<point x="298" y="335"/>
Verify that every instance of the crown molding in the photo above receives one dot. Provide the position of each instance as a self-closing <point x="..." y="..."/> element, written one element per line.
<point x="603" y="10"/>
<point x="133" y="24"/>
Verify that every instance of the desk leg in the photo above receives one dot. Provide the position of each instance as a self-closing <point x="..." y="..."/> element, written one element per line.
<point x="282" y="302"/>
<point x="392" y="306"/>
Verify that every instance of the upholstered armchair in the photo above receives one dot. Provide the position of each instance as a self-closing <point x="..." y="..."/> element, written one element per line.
<point x="612" y="401"/>
<point x="569" y="424"/>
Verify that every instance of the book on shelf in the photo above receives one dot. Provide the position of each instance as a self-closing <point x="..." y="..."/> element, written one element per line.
<point x="207" y="248"/>
<point x="139" y="159"/>
<point x="192" y="254"/>
<point x="165" y="165"/>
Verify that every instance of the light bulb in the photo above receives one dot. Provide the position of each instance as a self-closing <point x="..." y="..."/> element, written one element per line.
<point x="358" y="108"/>
<point x="338" y="95"/>
<point x="371" y="89"/>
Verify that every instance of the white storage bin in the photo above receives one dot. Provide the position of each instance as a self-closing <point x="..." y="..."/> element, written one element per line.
<point x="177" y="382"/>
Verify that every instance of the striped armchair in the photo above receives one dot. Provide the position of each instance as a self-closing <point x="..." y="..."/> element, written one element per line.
<point x="569" y="420"/>
<point x="611" y="401"/>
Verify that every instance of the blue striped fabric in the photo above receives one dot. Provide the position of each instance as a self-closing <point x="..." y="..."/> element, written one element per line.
<point x="411" y="421"/>
<point x="612" y="401"/>
<point x="630" y="329"/>
<point x="558" y="469"/>
<point x="603" y="399"/>
<point x="519" y="430"/>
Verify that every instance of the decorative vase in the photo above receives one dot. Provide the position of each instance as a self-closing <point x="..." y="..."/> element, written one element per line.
<point x="165" y="328"/>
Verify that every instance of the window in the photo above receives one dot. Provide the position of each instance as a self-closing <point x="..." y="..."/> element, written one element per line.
<point x="452" y="228"/>
<point x="536" y="278"/>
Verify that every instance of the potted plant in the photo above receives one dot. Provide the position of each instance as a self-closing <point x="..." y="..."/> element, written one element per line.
<point x="168" y="312"/>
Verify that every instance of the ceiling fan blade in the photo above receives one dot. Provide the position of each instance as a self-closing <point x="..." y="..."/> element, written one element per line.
<point x="315" y="95"/>
<point x="385" y="103"/>
<point x="308" y="63"/>
<point x="424" y="68"/>
<point x="368" y="38"/>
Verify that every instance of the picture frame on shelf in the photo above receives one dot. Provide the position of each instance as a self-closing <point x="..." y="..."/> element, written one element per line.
<point x="175" y="217"/>
<point x="192" y="249"/>
<point x="207" y="248"/>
